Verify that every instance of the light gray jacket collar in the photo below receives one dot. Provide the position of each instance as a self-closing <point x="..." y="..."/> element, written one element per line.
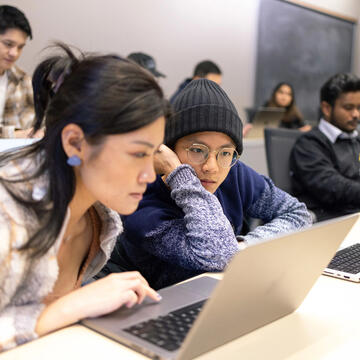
<point x="332" y="132"/>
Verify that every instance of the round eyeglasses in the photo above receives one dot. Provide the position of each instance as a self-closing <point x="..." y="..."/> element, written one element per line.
<point x="199" y="153"/>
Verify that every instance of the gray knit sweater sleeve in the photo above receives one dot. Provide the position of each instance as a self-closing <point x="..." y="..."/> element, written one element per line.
<point x="280" y="212"/>
<point x="204" y="240"/>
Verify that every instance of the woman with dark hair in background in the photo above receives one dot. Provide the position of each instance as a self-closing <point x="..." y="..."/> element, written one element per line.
<point x="283" y="96"/>
<point x="60" y="197"/>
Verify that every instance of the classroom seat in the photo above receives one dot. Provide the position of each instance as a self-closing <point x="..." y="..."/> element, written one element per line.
<point x="278" y="145"/>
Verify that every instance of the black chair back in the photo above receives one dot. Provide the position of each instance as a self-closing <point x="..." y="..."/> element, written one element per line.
<point x="278" y="146"/>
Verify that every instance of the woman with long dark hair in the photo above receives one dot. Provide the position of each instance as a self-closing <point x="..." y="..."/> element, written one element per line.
<point x="283" y="96"/>
<point x="60" y="197"/>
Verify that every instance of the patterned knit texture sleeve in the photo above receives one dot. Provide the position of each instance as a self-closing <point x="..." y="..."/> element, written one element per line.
<point x="280" y="212"/>
<point x="17" y="318"/>
<point x="204" y="239"/>
<point x="27" y="115"/>
<point x="17" y="324"/>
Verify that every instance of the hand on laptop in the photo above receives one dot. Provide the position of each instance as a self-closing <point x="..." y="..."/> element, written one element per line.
<point x="116" y="290"/>
<point x="95" y="299"/>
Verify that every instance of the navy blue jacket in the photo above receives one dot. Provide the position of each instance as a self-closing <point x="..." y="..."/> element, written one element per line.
<point x="181" y="230"/>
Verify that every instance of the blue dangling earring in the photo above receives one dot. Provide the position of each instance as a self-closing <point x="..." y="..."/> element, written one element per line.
<point x="73" y="160"/>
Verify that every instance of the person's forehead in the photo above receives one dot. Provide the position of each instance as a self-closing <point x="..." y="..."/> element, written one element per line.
<point x="349" y="97"/>
<point x="285" y="88"/>
<point x="15" y="35"/>
<point x="209" y="138"/>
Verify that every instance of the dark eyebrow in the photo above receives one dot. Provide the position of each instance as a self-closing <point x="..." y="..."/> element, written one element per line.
<point x="195" y="141"/>
<point x="227" y="145"/>
<point x="140" y="142"/>
<point x="11" y="42"/>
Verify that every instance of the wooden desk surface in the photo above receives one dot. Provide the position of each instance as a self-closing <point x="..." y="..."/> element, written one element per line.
<point x="326" y="326"/>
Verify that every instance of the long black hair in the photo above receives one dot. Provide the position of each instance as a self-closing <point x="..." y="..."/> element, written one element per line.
<point x="292" y="111"/>
<point x="102" y="94"/>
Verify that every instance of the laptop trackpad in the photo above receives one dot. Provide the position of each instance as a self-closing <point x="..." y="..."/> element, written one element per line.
<point x="173" y="297"/>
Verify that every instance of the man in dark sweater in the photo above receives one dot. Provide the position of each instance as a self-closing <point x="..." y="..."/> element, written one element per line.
<point x="203" y="70"/>
<point x="325" y="162"/>
<point x="191" y="218"/>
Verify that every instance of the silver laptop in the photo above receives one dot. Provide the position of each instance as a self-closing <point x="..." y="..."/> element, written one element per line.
<point x="346" y="262"/>
<point x="263" y="283"/>
<point x="263" y="117"/>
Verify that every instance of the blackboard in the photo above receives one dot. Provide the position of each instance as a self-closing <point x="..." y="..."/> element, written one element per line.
<point x="303" y="47"/>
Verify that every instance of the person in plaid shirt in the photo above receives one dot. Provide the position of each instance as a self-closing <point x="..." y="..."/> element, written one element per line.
<point x="16" y="94"/>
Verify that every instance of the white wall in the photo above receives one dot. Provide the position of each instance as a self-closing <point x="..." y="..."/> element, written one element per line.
<point x="178" y="33"/>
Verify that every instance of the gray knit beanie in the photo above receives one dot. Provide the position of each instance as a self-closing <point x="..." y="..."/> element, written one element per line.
<point x="203" y="106"/>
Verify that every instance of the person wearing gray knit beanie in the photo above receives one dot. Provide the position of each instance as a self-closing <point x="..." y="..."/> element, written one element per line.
<point x="204" y="106"/>
<point x="191" y="219"/>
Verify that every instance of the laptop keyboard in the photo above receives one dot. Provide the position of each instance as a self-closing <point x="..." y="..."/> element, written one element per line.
<point x="347" y="260"/>
<point x="169" y="331"/>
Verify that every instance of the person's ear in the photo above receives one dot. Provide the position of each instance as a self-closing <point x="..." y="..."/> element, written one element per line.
<point x="73" y="143"/>
<point x="326" y="109"/>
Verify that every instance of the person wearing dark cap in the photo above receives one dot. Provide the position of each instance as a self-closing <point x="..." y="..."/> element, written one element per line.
<point x="146" y="61"/>
<point x="203" y="70"/>
<point x="191" y="218"/>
